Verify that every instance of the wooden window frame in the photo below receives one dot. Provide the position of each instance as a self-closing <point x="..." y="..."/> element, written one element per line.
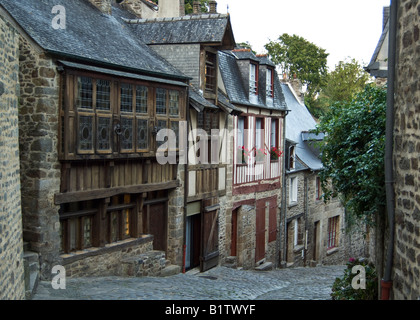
<point x="101" y="228"/>
<point x="333" y="232"/>
<point x="71" y="113"/>
<point x="293" y="190"/>
<point x="211" y="72"/>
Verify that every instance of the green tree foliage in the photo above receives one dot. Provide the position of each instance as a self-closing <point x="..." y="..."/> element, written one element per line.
<point x="353" y="152"/>
<point x="343" y="289"/>
<point x="297" y="56"/>
<point x="189" y="6"/>
<point x="342" y="84"/>
<point x="245" y="45"/>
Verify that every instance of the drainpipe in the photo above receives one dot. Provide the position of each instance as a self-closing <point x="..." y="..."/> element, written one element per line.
<point x="284" y="195"/>
<point x="186" y="186"/>
<point x="386" y="282"/>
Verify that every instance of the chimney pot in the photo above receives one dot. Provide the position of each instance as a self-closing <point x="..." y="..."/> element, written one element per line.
<point x="196" y="7"/>
<point x="213" y="6"/>
<point x="104" y="6"/>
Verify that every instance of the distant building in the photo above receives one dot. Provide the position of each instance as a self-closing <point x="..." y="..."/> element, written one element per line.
<point x="314" y="232"/>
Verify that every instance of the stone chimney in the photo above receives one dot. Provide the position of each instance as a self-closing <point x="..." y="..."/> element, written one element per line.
<point x="196" y="7"/>
<point x="103" y="5"/>
<point x="213" y="6"/>
<point x="171" y="8"/>
<point x="133" y="6"/>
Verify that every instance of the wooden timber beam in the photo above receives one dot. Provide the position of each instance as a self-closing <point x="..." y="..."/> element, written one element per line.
<point x="77" y="196"/>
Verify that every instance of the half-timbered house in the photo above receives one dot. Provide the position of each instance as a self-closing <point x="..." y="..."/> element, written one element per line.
<point x="191" y="43"/>
<point x="251" y="84"/>
<point x="93" y="98"/>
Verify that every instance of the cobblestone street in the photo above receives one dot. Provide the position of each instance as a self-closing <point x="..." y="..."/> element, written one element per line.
<point x="220" y="283"/>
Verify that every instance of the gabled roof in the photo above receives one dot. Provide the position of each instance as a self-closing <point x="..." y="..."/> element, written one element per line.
<point x="206" y="29"/>
<point x="377" y="67"/>
<point x="90" y="36"/>
<point x="299" y="122"/>
<point x="234" y="86"/>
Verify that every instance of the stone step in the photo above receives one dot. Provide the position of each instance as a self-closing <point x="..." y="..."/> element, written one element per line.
<point x="230" y="262"/>
<point x="267" y="266"/>
<point x="30" y="256"/>
<point x="31" y="266"/>
<point x="26" y="246"/>
<point x="170" y="270"/>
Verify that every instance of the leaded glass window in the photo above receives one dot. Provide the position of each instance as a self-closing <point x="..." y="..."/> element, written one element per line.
<point x="126" y="97"/>
<point x="103" y="94"/>
<point x="141" y="99"/>
<point x="142" y="134"/>
<point x="161" y="124"/>
<point x="174" y="103"/>
<point x="85" y="93"/>
<point x="104" y="133"/>
<point x="85" y="133"/>
<point x="175" y="129"/>
<point x="126" y="134"/>
<point x="160" y="101"/>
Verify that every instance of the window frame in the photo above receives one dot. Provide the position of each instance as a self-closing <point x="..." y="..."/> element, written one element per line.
<point x="293" y="190"/>
<point x="253" y="79"/>
<point x="210" y="72"/>
<point x="270" y="83"/>
<point x="72" y="113"/>
<point x="333" y="232"/>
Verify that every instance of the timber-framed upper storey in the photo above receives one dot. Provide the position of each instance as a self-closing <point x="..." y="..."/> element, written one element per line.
<point x="104" y="116"/>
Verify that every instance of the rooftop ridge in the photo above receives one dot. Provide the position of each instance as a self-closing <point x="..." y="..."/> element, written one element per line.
<point x="183" y="18"/>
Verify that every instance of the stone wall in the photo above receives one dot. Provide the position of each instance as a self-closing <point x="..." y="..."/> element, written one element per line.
<point x="38" y="139"/>
<point x="113" y="260"/>
<point x="406" y="277"/>
<point x="12" y="283"/>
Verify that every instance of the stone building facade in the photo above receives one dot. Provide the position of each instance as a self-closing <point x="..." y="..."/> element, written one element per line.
<point x="314" y="232"/>
<point x="12" y="283"/>
<point x="406" y="276"/>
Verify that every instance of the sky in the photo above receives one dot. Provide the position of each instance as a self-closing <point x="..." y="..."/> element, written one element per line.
<point x="344" y="28"/>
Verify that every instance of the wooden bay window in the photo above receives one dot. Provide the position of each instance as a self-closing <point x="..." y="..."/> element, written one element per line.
<point x="108" y="117"/>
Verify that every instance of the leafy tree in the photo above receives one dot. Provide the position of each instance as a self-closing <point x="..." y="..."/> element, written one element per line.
<point x="245" y="45"/>
<point x="342" y="84"/>
<point x="189" y="6"/>
<point x="353" y="152"/>
<point x="297" y="56"/>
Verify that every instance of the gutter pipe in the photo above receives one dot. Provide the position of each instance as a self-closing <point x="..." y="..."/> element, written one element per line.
<point x="386" y="283"/>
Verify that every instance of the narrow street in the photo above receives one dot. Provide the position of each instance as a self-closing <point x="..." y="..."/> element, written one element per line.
<point x="220" y="283"/>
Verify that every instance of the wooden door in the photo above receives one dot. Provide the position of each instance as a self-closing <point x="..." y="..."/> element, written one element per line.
<point x="210" y="240"/>
<point x="157" y="225"/>
<point x="260" y="232"/>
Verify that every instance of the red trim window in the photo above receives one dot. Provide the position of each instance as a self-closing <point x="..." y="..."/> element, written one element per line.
<point x="333" y="228"/>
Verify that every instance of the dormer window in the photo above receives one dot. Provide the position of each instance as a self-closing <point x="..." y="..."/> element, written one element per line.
<point x="211" y="76"/>
<point x="270" y="83"/>
<point x="253" y="79"/>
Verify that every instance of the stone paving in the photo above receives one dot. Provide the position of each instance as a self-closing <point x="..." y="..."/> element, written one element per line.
<point x="219" y="283"/>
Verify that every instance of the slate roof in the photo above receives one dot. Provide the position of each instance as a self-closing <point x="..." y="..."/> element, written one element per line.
<point x="374" y="66"/>
<point x="232" y="80"/>
<point x="205" y="28"/>
<point x="298" y="124"/>
<point x="90" y="36"/>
